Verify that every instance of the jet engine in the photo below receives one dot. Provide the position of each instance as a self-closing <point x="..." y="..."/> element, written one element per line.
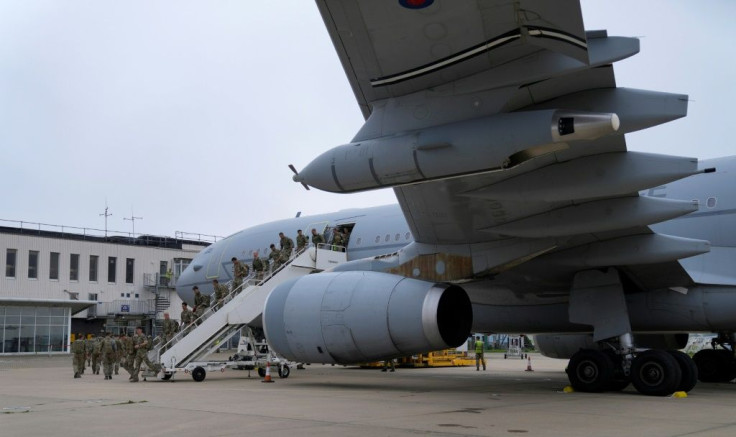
<point x="565" y="345"/>
<point x="352" y="317"/>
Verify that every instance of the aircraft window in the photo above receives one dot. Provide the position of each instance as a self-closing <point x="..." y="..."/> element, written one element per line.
<point x="711" y="202"/>
<point x="408" y="234"/>
<point x="378" y="238"/>
<point x="396" y="237"/>
<point x="388" y="237"/>
<point x="358" y="241"/>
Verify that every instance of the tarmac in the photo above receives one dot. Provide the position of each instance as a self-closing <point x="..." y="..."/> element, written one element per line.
<point x="40" y="397"/>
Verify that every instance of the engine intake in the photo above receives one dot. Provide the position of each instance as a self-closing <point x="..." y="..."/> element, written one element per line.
<point x="353" y="317"/>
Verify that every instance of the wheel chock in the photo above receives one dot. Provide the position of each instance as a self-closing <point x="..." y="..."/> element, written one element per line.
<point x="679" y="394"/>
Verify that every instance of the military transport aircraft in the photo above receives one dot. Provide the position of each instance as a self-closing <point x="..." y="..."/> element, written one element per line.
<point x="501" y="129"/>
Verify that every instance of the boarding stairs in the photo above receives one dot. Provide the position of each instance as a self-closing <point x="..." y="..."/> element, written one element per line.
<point x="242" y="307"/>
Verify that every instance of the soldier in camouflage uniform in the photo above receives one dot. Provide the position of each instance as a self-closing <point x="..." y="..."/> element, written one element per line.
<point x="187" y="317"/>
<point x="79" y="349"/>
<point x="142" y="345"/>
<point x="171" y="327"/>
<point x="258" y="266"/>
<point x="201" y="303"/>
<point x="221" y="292"/>
<point x="120" y="352"/>
<point x="97" y="356"/>
<point x="89" y="345"/>
<point x="317" y="238"/>
<point x="109" y="352"/>
<point x="275" y="257"/>
<point x="287" y="246"/>
<point x="301" y="241"/>
<point x="240" y="271"/>
<point x="337" y="241"/>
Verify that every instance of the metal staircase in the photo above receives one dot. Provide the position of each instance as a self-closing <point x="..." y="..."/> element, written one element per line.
<point x="242" y="307"/>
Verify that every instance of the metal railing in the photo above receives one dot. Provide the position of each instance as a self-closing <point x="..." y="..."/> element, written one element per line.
<point x="251" y="280"/>
<point x="159" y="280"/>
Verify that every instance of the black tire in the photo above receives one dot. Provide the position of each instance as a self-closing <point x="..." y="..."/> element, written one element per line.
<point x="198" y="374"/>
<point x="262" y="372"/>
<point x="590" y="371"/>
<point x="284" y="371"/>
<point x="655" y="373"/>
<point x="688" y="368"/>
<point x="715" y="365"/>
<point x="166" y="376"/>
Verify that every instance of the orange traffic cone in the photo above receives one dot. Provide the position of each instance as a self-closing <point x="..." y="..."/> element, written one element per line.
<point x="529" y="364"/>
<point x="267" y="378"/>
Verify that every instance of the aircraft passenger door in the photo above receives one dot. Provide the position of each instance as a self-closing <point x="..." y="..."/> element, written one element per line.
<point x="213" y="267"/>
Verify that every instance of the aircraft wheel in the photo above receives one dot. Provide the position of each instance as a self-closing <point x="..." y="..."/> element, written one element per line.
<point x="590" y="370"/>
<point x="198" y="374"/>
<point x="284" y="371"/>
<point x="262" y="372"/>
<point x="714" y="365"/>
<point x="166" y="376"/>
<point x="655" y="373"/>
<point x="688" y="368"/>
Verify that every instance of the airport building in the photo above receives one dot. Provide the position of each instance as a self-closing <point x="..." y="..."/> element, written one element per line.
<point x="60" y="280"/>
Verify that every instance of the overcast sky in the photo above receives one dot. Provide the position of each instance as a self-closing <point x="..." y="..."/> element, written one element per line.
<point x="187" y="113"/>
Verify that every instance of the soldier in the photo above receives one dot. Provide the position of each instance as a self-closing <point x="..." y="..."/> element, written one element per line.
<point x="337" y="240"/>
<point x="240" y="271"/>
<point x="201" y="303"/>
<point x="171" y="327"/>
<point x="89" y="345"/>
<point x="317" y="238"/>
<point x="118" y="352"/>
<point x="129" y="346"/>
<point x="301" y="241"/>
<point x="187" y="317"/>
<point x="275" y="257"/>
<point x="220" y="293"/>
<point x="287" y="246"/>
<point x="109" y="352"/>
<point x="79" y="349"/>
<point x="142" y="345"/>
<point x="258" y="266"/>
<point x="96" y="355"/>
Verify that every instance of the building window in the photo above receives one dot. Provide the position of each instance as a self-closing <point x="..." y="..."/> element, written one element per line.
<point x="112" y="263"/>
<point x="93" y="261"/>
<point x="32" y="264"/>
<point x="129" y="270"/>
<point x="54" y="266"/>
<point x="74" y="267"/>
<point x="10" y="263"/>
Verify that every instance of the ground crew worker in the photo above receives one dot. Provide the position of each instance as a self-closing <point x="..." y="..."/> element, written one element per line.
<point x="317" y="238"/>
<point x="275" y="257"/>
<point x="141" y="344"/>
<point x="387" y="364"/>
<point x="118" y="352"/>
<point x="301" y="241"/>
<point x="187" y="317"/>
<point x="220" y="293"/>
<point x="109" y="352"/>
<point x="258" y="266"/>
<point x="479" y="354"/>
<point x="201" y="303"/>
<point x="240" y="271"/>
<point x="287" y="246"/>
<point x="79" y="349"/>
<point x="171" y="327"/>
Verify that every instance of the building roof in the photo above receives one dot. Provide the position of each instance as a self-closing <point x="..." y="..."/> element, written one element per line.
<point x="75" y="305"/>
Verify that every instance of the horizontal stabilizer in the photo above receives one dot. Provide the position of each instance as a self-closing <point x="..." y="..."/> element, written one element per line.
<point x="598" y="216"/>
<point x="631" y="250"/>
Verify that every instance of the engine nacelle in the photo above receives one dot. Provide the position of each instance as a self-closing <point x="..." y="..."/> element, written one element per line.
<point x="353" y="317"/>
<point x="565" y="345"/>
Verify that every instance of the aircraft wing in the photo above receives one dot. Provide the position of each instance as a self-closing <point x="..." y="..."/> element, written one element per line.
<point x="432" y="76"/>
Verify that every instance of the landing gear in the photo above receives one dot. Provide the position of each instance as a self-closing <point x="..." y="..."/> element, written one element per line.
<point x="655" y="373"/>
<point x="715" y="365"/>
<point x="652" y="372"/>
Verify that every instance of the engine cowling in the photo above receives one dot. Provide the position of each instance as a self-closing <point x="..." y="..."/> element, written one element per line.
<point x="353" y="317"/>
